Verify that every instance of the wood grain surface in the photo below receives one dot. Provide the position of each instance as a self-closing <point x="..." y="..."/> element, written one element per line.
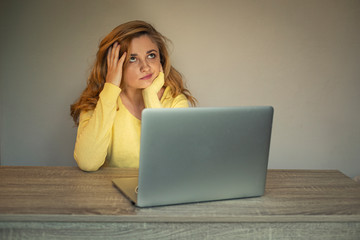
<point x="36" y="197"/>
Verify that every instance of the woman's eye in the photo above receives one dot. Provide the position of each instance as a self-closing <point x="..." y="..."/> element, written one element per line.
<point x="132" y="59"/>
<point x="152" y="55"/>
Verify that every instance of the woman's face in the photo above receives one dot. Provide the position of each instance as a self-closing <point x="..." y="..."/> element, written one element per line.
<point x="143" y="65"/>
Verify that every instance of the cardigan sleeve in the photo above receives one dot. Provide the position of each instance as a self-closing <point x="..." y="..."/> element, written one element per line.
<point x="94" y="131"/>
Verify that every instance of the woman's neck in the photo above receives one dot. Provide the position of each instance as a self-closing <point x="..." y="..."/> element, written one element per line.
<point x="133" y="101"/>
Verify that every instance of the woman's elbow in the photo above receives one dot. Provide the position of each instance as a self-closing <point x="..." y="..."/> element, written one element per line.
<point x="86" y="164"/>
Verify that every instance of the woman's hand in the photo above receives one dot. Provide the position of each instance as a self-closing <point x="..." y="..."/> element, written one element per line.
<point x="157" y="84"/>
<point x="114" y="65"/>
<point x="153" y="93"/>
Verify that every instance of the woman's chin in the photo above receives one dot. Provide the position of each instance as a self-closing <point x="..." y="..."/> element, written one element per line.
<point x="145" y="83"/>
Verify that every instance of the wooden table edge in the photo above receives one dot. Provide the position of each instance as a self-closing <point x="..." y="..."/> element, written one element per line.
<point x="175" y="219"/>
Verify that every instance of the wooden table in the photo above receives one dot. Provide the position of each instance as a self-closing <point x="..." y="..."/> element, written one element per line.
<point x="53" y="202"/>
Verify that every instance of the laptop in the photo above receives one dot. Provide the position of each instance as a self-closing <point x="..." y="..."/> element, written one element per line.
<point x="190" y="155"/>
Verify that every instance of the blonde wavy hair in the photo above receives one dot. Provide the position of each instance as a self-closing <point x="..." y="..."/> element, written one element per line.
<point x="123" y="34"/>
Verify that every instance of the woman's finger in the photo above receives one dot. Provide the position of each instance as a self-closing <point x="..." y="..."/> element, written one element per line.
<point x="116" y="52"/>
<point x="121" y="60"/>
<point x="109" y="56"/>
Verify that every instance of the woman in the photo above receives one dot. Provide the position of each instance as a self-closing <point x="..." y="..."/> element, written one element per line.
<point x="132" y="72"/>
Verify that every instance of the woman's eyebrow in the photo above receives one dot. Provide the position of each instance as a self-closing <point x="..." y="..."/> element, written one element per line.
<point x="152" y="50"/>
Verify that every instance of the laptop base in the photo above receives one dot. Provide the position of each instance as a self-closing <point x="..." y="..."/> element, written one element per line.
<point x="128" y="187"/>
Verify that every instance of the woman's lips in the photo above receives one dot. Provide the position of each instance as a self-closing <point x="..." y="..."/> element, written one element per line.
<point x="146" y="77"/>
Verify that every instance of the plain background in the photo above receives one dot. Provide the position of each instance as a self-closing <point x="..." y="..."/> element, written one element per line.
<point x="300" y="56"/>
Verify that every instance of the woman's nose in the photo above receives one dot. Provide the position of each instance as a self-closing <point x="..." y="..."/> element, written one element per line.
<point x="144" y="67"/>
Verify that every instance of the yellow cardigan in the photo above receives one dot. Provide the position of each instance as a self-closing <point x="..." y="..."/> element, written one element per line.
<point x="110" y="135"/>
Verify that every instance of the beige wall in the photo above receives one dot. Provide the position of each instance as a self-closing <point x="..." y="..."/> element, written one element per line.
<point x="300" y="56"/>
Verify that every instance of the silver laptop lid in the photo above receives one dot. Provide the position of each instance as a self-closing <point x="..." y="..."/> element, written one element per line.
<point x="203" y="154"/>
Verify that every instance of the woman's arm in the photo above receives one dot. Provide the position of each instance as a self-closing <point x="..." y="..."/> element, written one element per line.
<point x="150" y="94"/>
<point x="94" y="131"/>
<point x="151" y="98"/>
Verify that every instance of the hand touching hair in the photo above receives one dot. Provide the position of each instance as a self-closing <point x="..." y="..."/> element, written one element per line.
<point x="122" y="36"/>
